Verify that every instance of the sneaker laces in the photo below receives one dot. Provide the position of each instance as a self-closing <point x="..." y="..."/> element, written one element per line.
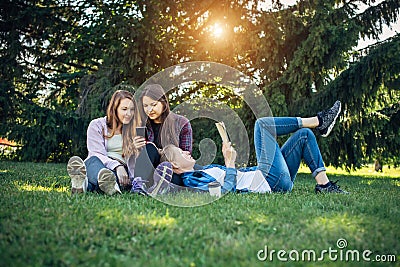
<point x="335" y="187"/>
<point x="138" y="184"/>
<point x="323" y="115"/>
<point x="334" y="184"/>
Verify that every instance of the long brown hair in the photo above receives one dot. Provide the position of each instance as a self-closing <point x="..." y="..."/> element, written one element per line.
<point x="129" y="130"/>
<point x="168" y="132"/>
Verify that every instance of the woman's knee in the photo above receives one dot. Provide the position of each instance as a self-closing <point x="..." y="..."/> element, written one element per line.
<point x="266" y="125"/>
<point x="257" y="124"/>
<point x="306" y="132"/>
<point x="265" y="122"/>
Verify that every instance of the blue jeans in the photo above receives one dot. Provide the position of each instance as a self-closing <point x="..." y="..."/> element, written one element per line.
<point x="280" y="165"/>
<point x="146" y="162"/>
<point x="93" y="167"/>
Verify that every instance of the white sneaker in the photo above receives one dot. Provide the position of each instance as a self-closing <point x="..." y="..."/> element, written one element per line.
<point x="108" y="182"/>
<point x="77" y="172"/>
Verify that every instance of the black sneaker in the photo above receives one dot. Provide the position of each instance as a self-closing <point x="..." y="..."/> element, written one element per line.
<point x="331" y="188"/>
<point x="328" y="118"/>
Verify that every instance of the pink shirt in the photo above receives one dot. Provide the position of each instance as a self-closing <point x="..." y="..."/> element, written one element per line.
<point x="97" y="146"/>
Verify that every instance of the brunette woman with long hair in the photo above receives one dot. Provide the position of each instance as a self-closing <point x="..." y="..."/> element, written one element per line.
<point x="163" y="127"/>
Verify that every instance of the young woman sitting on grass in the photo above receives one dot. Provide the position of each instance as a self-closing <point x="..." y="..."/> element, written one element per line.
<point x="113" y="149"/>
<point x="163" y="127"/>
<point x="277" y="165"/>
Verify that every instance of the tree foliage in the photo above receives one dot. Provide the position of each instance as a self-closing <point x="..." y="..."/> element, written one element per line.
<point x="61" y="60"/>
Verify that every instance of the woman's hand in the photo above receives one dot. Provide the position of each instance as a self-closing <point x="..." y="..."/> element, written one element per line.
<point x="229" y="155"/>
<point x="139" y="142"/>
<point x="122" y="175"/>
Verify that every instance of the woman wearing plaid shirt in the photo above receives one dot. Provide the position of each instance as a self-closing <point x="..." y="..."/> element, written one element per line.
<point x="163" y="127"/>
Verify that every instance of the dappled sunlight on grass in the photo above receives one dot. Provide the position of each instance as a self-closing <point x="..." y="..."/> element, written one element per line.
<point x="31" y="188"/>
<point x="150" y="221"/>
<point x="366" y="171"/>
<point x="341" y="224"/>
<point x="368" y="181"/>
<point x="186" y="198"/>
<point x="159" y="222"/>
<point x="260" y="218"/>
<point x="396" y="182"/>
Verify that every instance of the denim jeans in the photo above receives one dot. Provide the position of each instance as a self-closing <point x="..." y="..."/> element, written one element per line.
<point x="280" y="165"/>
<point x="146" y="162"/>
<point x="93" y="167"/>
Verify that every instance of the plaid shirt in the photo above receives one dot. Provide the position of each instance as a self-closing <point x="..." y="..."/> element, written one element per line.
<point x="184" y="128"/>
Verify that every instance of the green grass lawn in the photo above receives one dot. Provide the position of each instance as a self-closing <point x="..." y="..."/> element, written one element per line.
<point x="41" y="224"/>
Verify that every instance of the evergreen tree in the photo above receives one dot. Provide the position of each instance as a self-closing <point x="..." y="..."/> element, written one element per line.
<point x="61" y="60"/>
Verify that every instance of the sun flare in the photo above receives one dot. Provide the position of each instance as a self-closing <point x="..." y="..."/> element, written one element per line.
<point x="216" y="30"/>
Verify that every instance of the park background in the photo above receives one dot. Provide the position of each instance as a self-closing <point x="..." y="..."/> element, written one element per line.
<point x="62" y="60"/>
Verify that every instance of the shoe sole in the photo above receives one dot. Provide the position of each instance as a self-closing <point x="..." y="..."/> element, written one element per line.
<point x="77" y="172"/>
<point x="332" y="192"/>
<point x="162" y="172"/>
<point x="330" y="127"/>
<point x="107" y="182"/>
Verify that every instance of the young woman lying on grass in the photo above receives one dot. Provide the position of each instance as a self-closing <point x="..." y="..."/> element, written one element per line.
<point x="276" y="166"/>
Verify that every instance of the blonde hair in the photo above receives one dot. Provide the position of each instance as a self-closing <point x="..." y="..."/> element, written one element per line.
<point x="129" y="130"/>
<point x="168" y="153"/>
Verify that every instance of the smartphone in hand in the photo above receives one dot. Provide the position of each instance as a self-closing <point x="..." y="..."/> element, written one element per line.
<point x="141" y="131"/>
